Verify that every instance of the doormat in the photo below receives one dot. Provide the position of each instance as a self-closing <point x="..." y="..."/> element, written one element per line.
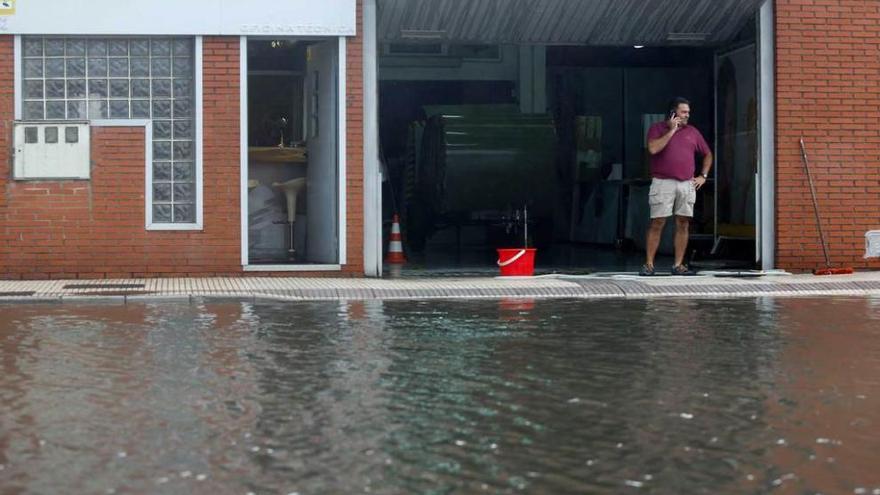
<point x="21" y="293"/>
<point x="104" y="286"/>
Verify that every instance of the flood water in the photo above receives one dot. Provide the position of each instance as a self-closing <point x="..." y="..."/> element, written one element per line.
<point x="547" y="397"/>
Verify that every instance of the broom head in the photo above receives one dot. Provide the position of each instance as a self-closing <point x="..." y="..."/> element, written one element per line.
<point x="833" y="271"/>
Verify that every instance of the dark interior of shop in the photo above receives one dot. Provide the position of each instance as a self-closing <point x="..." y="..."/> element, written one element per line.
<point x="463" y="162"/>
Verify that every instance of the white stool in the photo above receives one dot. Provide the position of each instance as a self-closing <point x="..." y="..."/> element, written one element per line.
<point x="291" y="190"/>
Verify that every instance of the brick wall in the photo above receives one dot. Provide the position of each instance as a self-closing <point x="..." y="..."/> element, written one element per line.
<point x="355" y="148"/>
<point x="95" y="228"/>
<point x="6" y="115"/>
<point x="828" y="91"/>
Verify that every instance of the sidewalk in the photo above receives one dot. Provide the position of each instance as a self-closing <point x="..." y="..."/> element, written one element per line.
<point x="552" y="286"/>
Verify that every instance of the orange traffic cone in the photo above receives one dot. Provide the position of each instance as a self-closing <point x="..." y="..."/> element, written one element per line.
<point x="395" y="244"/>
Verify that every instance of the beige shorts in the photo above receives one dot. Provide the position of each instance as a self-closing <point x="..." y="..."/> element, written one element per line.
<point x="668" y="196"/>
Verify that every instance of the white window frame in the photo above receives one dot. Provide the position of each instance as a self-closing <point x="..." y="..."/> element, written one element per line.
<point x="767" y="137"/>
<point x="341" y="161"/>
<point x="18" y="74"/>
<point x="199" y="146"/>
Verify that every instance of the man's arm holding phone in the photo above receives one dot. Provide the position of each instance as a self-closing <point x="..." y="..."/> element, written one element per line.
<point x="656" y="145"/>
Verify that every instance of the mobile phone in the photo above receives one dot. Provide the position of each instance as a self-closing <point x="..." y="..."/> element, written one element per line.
<point x="672" y="115"/>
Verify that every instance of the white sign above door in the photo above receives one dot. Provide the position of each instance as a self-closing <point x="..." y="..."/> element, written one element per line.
<point x="190" y="17"/>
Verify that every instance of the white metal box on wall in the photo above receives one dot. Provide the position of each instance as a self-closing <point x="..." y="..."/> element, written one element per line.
<point x="872" y="244"/>
<point x="51" y="150"/>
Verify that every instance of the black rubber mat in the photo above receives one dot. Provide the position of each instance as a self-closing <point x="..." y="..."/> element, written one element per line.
<point x="104" y="286"/>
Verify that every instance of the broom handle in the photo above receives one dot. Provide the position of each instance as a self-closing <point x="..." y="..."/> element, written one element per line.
<point x="815" y="203"/>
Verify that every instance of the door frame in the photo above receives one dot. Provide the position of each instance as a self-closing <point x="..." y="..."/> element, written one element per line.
<point x="766" y="194"/>
<point x="341" y="78"/>
<point x="765" y="180"/>
<point x="718" y="55"/>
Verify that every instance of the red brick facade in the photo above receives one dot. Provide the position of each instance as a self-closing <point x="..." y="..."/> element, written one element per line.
<point x="95" y="228"/>
<point x="354" y="172"/>
<point x="828" y="91"/>
<point x="7" y="109"/>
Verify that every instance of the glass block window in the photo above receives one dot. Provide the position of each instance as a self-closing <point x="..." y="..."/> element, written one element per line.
<point x="123" y="78"/>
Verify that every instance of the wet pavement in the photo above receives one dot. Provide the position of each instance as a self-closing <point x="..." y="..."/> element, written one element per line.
<point x="478" y="261"/>
<point x="493" y="396"/>
<point x="620" y="285"/>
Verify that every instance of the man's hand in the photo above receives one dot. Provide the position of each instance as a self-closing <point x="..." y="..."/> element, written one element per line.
<point x="699" y="181"/>
<point x="656" y="145"/>
<point x="674" y="123"/>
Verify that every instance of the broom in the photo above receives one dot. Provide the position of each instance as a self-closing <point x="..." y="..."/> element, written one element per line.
<point x="828" y="270"/>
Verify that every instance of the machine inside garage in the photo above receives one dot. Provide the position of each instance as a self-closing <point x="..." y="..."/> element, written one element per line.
<point x="488" y="107"/>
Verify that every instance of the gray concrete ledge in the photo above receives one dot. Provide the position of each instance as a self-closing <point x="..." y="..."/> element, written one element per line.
<point x="618" y="286"/>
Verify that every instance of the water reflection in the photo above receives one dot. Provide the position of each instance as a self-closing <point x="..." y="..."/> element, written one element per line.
<point x="825" y="403"/>
<point x="679" y="396"/>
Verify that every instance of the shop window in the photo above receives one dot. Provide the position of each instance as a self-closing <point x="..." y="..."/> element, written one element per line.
<point x="85" y="78"/>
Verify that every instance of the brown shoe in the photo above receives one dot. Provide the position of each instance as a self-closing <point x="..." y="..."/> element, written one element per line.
<point x="682" y="270"/>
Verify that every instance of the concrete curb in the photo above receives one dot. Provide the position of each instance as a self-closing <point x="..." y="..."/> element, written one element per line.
<point x="305" y="289"/>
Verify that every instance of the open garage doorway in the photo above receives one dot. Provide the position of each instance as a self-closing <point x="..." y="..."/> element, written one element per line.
<point x="479" y="126"/>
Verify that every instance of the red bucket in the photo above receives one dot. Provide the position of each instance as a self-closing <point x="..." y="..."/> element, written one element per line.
<point x="516" y="262"/>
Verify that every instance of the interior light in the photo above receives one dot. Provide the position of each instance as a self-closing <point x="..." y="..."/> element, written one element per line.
<point x="638" y="47"/>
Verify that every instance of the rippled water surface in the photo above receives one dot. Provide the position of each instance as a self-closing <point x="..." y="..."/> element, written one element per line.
<point x="733" y="396"/>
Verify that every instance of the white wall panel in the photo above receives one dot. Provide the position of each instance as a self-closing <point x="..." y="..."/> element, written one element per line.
<point x="190" y="17"/>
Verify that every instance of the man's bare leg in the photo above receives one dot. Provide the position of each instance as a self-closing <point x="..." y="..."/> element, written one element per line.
<point x="682" y="225"/>
<point x="655" y="229"/>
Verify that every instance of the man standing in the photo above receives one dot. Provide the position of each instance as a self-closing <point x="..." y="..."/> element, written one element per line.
<point x="673" y="145"/>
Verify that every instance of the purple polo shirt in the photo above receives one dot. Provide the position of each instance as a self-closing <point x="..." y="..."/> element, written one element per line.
<point x="676" y="160"/>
